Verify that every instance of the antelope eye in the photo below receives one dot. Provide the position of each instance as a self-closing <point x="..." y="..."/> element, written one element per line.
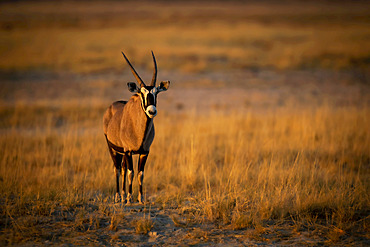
<point x="154" y="90"/>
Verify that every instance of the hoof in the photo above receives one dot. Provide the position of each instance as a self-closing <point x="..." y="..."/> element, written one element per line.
<point x="117" y="198"/>
<point x="129" y="199"/>
<point x="141" y="199"/>
<point x="124" y="200"/>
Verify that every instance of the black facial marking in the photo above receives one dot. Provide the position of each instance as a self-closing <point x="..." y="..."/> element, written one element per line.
<point x="151" y="99"/>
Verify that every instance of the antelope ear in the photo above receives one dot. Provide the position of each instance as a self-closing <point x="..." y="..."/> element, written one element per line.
<point x="163" y="86"/>
<point x="132" y="87"/>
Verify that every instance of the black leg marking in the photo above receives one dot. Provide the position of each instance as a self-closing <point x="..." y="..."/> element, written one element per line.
<point x="130" y="174"/>
<point x="124" y="172"/>
<point x="117" y="163"/>
<point x="142" y="161"/>
<point x="117" y="169"/>
<point x="140" y="175"/>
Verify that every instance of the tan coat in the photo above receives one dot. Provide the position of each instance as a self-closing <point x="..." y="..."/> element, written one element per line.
<point x="127" y="126"/>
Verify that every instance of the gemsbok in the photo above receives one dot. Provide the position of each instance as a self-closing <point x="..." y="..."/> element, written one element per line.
<point x="129" y="130"/>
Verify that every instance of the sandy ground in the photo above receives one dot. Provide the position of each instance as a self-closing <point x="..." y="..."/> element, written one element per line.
<point x="171" y="226"/>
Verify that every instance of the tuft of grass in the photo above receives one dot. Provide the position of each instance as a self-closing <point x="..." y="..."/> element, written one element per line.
<point x="116" y="218"/>
<point x="144" y="225"/>
<point x="178" y="221"/>
<point x="198" y="234"/>
<point x="257" y="233"/>
<point x="334" y="235"/>
<point x="241" y="221"/>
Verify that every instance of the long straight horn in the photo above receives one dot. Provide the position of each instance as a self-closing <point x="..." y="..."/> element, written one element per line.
<point x="154" y="79"/>
<point x="142" y="84"/>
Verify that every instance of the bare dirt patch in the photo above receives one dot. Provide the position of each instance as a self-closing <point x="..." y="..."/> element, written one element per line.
<point x="104" y="223"/>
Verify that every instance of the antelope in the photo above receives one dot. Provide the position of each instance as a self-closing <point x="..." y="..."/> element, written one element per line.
<point x="129" y="130"/>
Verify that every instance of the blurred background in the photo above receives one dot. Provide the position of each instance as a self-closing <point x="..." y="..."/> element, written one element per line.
<point x="243" y="55"/>
<point x="265" y="125"/>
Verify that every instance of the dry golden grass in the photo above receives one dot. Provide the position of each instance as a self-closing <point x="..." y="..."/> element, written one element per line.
<point x="307" y="167"/>
<point x="286" y="163"/>
<point x="144" y="225"/>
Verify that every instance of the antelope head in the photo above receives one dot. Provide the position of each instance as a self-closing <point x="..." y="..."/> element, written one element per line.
<point x="148" y="94"/>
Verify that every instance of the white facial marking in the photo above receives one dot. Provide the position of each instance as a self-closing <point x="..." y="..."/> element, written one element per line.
<point x="144" y="91"/>
<point x="151" y="111"/>
<point x="154" y="92"/>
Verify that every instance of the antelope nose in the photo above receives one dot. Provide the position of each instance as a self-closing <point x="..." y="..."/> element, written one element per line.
<point x="151" y="111"/>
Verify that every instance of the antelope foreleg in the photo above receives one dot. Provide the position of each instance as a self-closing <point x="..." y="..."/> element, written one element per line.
<point x="130" y="176"/>
<point x="140" y="175"/>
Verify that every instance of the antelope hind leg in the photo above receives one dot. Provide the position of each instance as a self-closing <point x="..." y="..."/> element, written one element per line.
<point x="117" y="160"/>
<point x="124" y="172"/>
<point x="117" y="197"/>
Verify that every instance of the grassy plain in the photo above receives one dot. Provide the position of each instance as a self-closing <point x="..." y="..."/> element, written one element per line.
<point x="263" y="137"/>
<point x="189" y="37"/>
